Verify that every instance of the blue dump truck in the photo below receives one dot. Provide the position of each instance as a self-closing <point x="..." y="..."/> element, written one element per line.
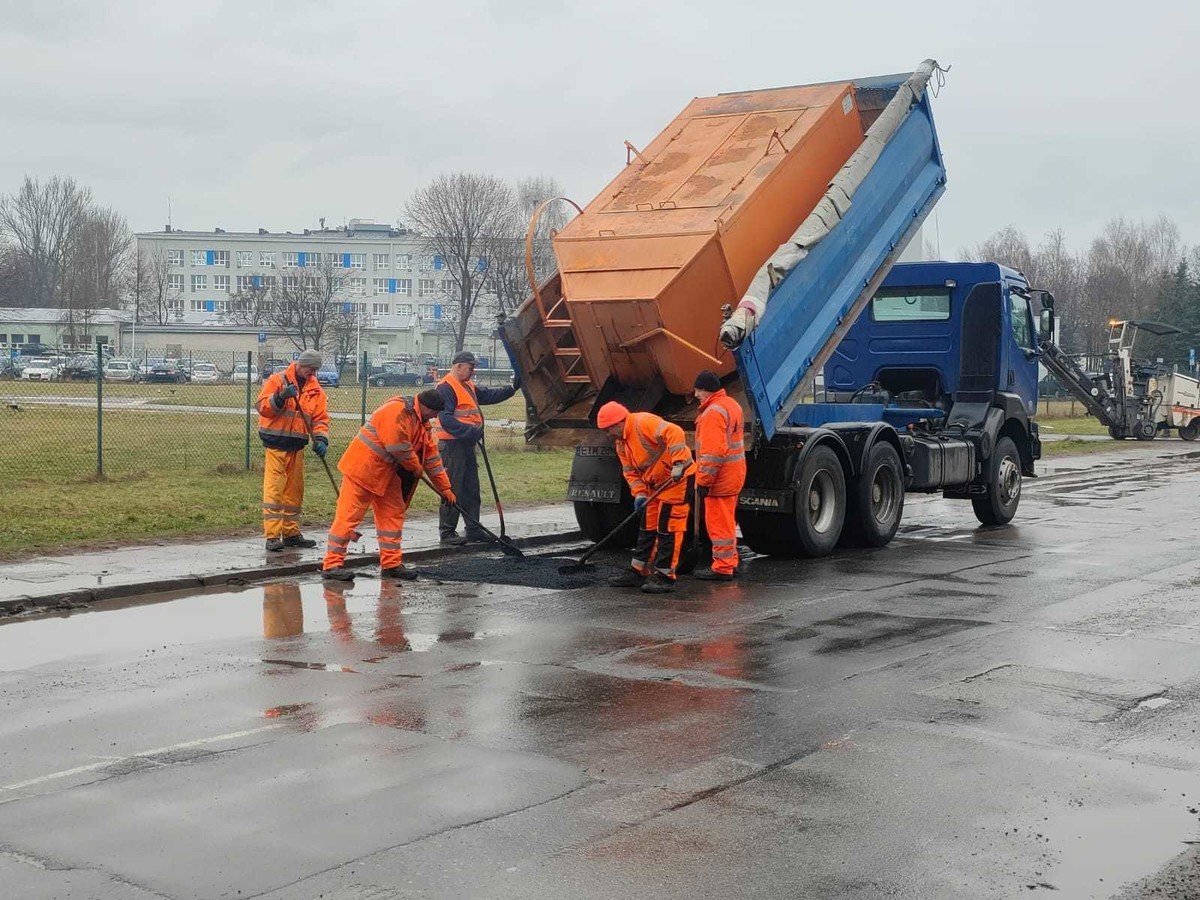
<point x="930" y="369"/>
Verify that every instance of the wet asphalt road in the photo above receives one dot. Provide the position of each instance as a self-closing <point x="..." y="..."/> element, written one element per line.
<point x="966" y="713"/>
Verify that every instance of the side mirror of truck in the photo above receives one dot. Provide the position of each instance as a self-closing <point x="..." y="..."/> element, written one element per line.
<point x="1046" y="326"/>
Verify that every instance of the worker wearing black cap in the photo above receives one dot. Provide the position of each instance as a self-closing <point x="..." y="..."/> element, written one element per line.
<point x="459" y="429"/>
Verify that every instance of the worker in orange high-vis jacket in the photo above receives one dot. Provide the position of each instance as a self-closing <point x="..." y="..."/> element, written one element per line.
<point x="459" y="428"/>
<point x="721" y="456"/>
<point x="653" y="453"/>
<point x="292" y="409"/>
<point x="382" y="466"/>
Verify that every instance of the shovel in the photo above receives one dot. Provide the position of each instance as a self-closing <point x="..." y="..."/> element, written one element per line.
<point x="582" y="564"/>
<point x="504" y="543"/>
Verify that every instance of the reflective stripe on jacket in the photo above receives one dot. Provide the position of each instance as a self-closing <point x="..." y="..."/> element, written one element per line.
<point x="285" y="428"/>
<point x="394" y="437"/>
<point x="720" y="448"/>
<point x="466" y="409"/>
<point x="648" y="448"/>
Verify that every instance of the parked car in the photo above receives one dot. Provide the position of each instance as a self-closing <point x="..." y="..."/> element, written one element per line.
<point x="205" y="373"/>
<point x="400" y="375"/>
<point x="328" y="376"/>
<point x="80" y="368"/>
<point x="147" y="364"/>
<point x="239" y="373"/>
<point x="120" y="370"/>
<point x="40" y="368"/>
<point x="275" y="364"/>
<point x="167" y="371"/>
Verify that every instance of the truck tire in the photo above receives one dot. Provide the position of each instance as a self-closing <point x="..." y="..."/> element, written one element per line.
<point x="1191" y="430"/>
<point x="875" y="502"/>
<point x="1146" y="431"/>
<point x="1115" y="433"/>
<point x="820" y="503"/>
<point x="999" y="504"/>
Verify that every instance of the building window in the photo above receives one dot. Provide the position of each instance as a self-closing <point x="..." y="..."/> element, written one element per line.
<point x="381" y="285"/>
<point x="358" y="260"/>
<point x="291" y="259"/>
<point x="174" y="257"/>
<point x="266" y="259"/>
<point x="404" y="286"/>
<point x="175" y="305"/>
<point x="383" y="260"/>
<point x="221" y="283"/>
<point x="403" y="261"/>
<point x="199" y="282"/>
<point x="358" y="287"/>
<point x="426" y="287"/>
<point x="379" y="309"/>
<point x="199" y="258"/>
<point x="245" y="259"/>
<point x="175" y="283"/>
<point x="33" y="338"/>
<point x="220" y="258"/>
<point x="425" y="310"/>
<point x="404" y="309"/>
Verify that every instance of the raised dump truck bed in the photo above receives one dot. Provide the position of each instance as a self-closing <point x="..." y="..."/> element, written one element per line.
<point x="647" y="268"/>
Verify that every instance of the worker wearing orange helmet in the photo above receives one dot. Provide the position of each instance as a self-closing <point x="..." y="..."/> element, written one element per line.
<point x="292" y="408"/>
<point x="721" y="455"/>
<point x="653" y="454"/>
<point x="382" y="466"/>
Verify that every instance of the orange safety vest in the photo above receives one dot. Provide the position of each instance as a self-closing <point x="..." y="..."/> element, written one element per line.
<point x="393" y="437"/>
<point x="720" y="447"/>
<point x="466" y="410"/>
<point x="286" y="429"/>
<point x="648" y="449"/>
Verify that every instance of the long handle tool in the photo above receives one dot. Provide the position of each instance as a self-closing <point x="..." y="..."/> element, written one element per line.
<point x="487" y="465"/>
<point x="582" y="564"/>
<point x="504" y="543"/>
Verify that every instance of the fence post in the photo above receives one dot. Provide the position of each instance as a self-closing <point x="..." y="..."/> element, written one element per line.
<point x="249" y="370"/>
<point x="362" y="380"/>
<point x="99" y="409"/>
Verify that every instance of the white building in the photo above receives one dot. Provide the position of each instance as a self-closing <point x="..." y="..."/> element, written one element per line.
<point x="396" y="285"/>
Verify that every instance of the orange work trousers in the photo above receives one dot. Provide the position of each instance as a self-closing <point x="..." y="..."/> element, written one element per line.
<point x="720" y="521"/>
<point x="661" y="536"/>
<point x="283" y="492"/>
<point x="352" y="505"/>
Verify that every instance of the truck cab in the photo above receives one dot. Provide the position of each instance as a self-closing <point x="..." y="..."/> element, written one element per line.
<point x="946" y="337"/>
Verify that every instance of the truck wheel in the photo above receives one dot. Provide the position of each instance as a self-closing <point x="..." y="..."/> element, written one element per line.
<point x="876" y="500"/>
<point x="1146" y="431"/>
<point x="1115" y="433"/>
<point x="820" y="503"/>
<point x="1191" y="430"/>
<point x="999" y="504"/>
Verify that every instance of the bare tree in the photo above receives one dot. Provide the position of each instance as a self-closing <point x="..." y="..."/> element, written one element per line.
<point x="43" y="221"/>
<point x="100" y="268"/>
<point x="154" y="300"/>
<point x="509" y="278"/>
<point x="460" y="216"/>
<point x="302" y="302"/>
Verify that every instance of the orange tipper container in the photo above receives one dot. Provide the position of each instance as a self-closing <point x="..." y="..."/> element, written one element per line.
<point x="648" y="265"/>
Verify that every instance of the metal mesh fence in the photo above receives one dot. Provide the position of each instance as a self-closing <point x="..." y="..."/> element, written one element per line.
<point x="165" y="410"/>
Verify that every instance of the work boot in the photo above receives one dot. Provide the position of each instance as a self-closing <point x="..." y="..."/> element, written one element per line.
<point x="659" y="584"/>
<point x="477" y="539"/>
<point x="710" y="575"/>
<point x="274" y="545"/>
<point x="631" y="578"/>
<point x="400" y="571"/>
<point x="452" y="540"/>
<point x="298" y="540"/>
<point x="337" y="574"/>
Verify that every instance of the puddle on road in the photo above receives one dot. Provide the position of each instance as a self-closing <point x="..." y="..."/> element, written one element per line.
<point x="372" y="614"/>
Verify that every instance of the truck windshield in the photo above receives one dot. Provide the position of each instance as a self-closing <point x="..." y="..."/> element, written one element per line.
<point x="911" y="305"/>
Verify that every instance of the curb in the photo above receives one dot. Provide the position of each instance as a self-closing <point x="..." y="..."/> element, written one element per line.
<point x="83" y="597"/>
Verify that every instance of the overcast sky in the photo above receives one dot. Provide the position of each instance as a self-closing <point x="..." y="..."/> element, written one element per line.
<point x="255" y="114"/>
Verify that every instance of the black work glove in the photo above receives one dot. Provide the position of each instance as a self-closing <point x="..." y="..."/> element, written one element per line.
<point x="677" y="471"/>
<point x="320" y="445"/>
<point x="284" y="395"/>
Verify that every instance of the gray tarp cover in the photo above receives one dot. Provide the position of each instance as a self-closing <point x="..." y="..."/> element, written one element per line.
<point x="829" y="210"/>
